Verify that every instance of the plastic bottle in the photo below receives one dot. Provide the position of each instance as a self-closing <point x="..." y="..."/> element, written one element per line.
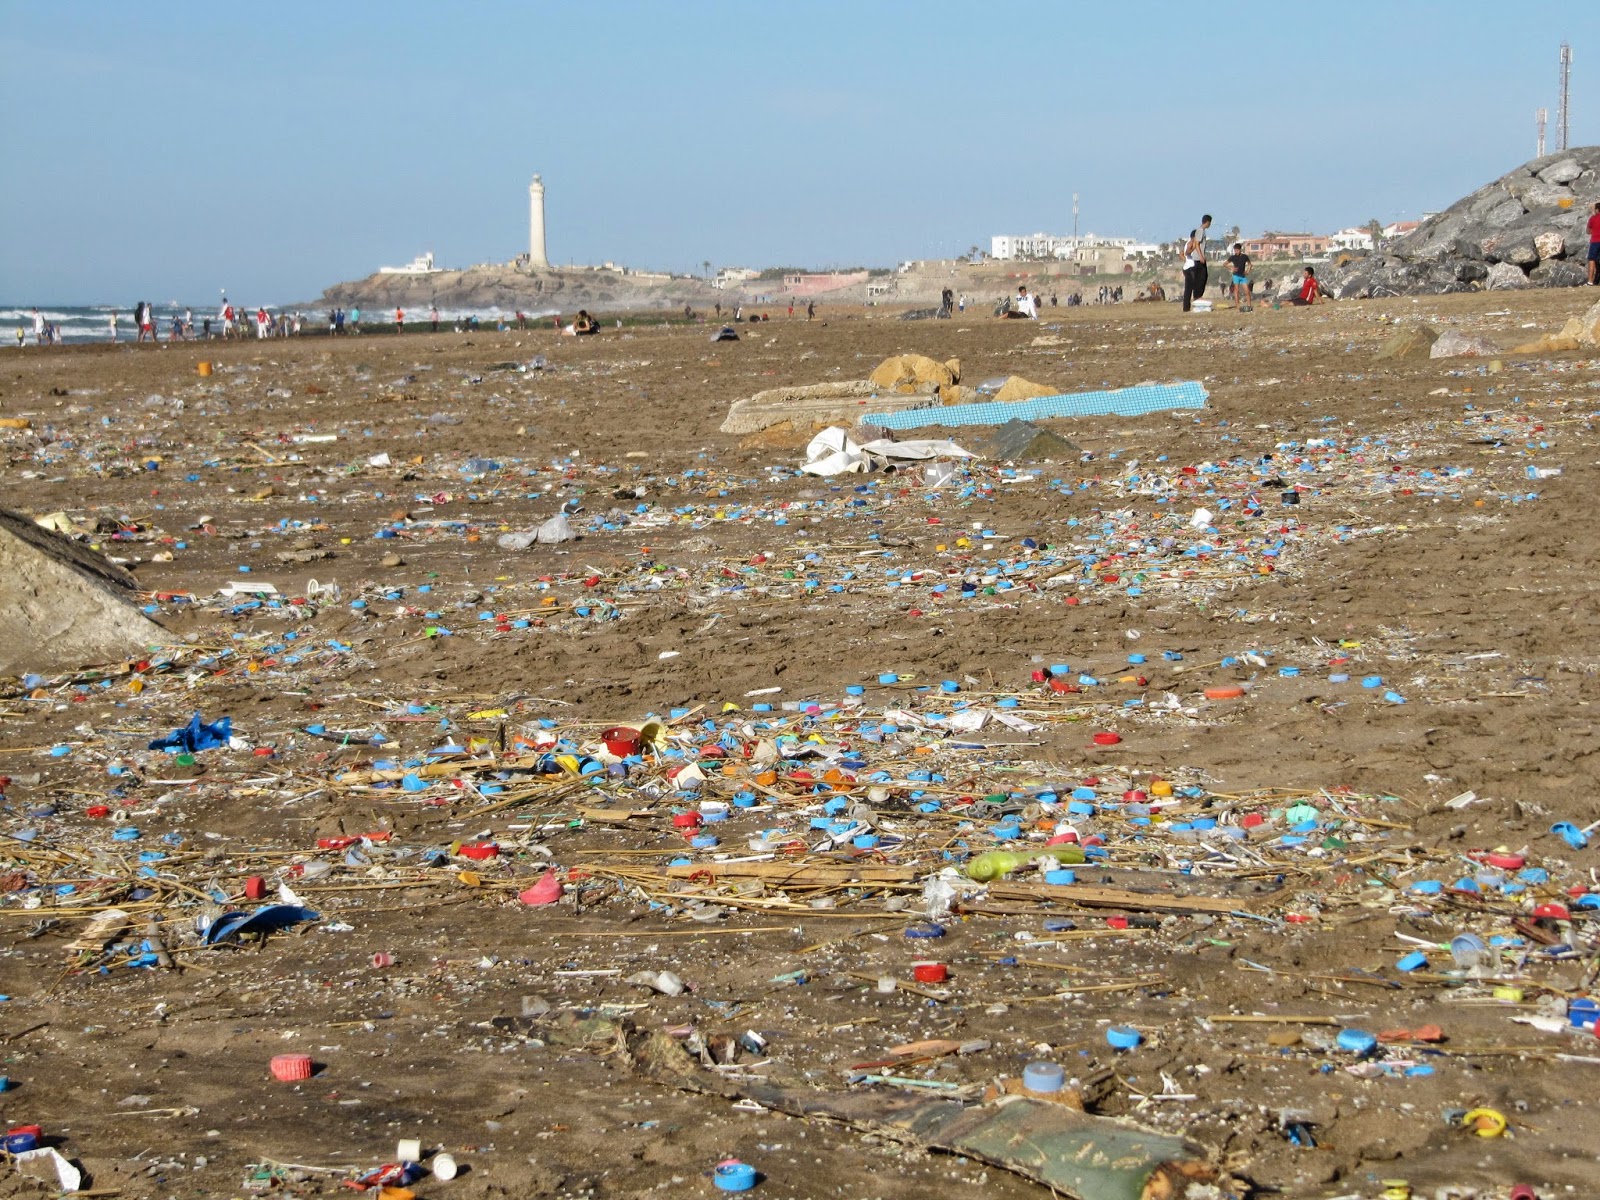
<point x="996" y="864"/>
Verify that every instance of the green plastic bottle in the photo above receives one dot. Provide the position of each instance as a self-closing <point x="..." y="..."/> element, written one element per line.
<point x="996" y="864"/>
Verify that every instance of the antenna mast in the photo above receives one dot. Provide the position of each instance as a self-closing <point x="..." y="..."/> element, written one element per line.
<point x="1563" y="111"/>
<point x="1541" y="115"/>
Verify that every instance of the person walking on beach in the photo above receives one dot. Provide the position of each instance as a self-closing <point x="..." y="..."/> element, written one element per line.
<point x="433" y="315"/>
<point x="1194" y="263"/>
<point x="112" y="322"/>
<point x="1594" y="245"/>
<point x="38" y="328"/>
<point x="1243" y="294"/>
<point x="227" y="319"/>
<point x="811" y="309"/>
<point x="141" y="318"/>
<point x="355" y="320"/>
<point x="399" y="320"/>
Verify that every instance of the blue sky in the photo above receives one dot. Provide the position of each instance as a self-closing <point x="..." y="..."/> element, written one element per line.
<point x="170" y="150"/>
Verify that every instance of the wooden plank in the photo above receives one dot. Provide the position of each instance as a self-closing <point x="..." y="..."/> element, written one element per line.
<point x="821" y="874"/>
<point x="1089" y="896"/>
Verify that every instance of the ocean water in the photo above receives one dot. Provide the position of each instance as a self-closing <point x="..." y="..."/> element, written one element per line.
<point x="80" y="323"/>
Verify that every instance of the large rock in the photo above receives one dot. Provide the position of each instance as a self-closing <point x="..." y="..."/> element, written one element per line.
<point x="1453" y="343"/>
<point x="1557" y="274"/>
<point x="63" y="606"/>
<point x="1526" y="221"/>
<point x="1550" y="244"/>
<point x="1018" y="388"/>
<point x="1586" y="329"/>
<point x="914" y="372"/>
<point x="1504" y="276"/>
<point x="1564" y="171"/>
<point x="1414" y="341"/>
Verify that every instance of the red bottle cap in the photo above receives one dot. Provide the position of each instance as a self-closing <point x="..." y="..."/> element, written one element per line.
<point x="1107" y="739"/>
<point x="929" y="972"/>
<point x="479" y="851"/>
<point x="255" y="888"/>
<point x="291" y="1068"/>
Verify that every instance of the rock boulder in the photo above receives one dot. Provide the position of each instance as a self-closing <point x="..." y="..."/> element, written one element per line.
<point x="1528" y="221"/>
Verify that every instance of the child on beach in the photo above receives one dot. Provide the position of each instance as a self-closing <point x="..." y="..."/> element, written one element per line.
<point x="1243" y="294"/>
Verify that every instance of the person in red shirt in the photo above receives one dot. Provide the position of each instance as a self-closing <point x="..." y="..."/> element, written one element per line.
<point x="1594" y="243"/>
<point x="1310" y="289"/>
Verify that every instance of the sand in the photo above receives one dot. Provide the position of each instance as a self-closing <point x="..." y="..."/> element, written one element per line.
<point x="1471" y="595"/>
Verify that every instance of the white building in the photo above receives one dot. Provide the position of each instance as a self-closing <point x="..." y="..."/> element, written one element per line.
<point x="1046" y="245"/>
<point x="421" y="265"/>
<point x="1351" y="239"/>
<point x="734" y="276"/>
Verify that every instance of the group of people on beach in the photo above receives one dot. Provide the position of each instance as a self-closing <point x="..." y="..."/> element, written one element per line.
<point x="1241" y="282"/>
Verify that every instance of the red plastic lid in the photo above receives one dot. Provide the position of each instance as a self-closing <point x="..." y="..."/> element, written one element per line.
<point x="479" y="851"/>
<point x="290" y="1068"/>
<point x="1555" y="912"/>
<point x="1116" y="922"/>
<point x="1107" y="739"/>
<point x="686" y="820"/>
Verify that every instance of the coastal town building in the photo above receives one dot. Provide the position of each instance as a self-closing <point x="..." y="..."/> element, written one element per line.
<point x="421" y="265"/>
<point x="1353" y="238"/>
<point x="733" y="276"/>
<point x="816" y="284"/>
<point x="1046" y="245"/>
<point x="1286" y="245"/>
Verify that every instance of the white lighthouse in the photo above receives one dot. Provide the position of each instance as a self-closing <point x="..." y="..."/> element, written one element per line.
<point x="536" y="255"/>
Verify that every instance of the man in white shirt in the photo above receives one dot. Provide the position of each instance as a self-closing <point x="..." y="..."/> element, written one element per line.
<point x="1194" y="263"/>
<point x="1026" y="305"/>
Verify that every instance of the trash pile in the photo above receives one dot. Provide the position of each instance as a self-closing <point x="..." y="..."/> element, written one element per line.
<point x="1031" y="815"/>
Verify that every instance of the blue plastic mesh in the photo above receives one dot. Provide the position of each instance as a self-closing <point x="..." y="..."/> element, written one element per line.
<point x="1124" y="402"/>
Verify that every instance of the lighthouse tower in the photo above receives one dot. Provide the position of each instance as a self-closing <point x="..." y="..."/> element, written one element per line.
<point x="536" y="255"/>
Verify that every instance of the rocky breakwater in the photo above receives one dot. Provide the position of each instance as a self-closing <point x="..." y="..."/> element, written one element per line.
<point x="509" y="289"/>
<point x="1526" y="229"/>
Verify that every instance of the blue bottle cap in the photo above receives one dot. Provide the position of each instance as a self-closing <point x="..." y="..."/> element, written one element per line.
<point x="1060" y="877"/>
<point x="734" y="1176"/>
<point x="1043" y="1077"/>
<point x="1414" y="961"/>
<point x="1123" y="1037"/>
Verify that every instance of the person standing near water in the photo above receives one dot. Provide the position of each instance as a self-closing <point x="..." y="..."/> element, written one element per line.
<point x="112" y="322"/>
<point x="1194" y="263"/>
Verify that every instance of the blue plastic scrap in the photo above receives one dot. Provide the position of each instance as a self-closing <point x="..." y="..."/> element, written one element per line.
<point x="1123" y="402"/>
<point x="196" y="735"/>
<point x="264" y="920"/>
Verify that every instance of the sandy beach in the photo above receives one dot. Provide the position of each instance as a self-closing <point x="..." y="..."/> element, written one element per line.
<point x="708" y="577"/>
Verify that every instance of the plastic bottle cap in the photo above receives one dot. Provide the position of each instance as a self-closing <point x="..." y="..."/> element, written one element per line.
<point x="734" y="1176"/>
<point x="1043" y="1077"/>
<point x="409" y="1150"/>
<point x="929" y="972"/>
<point x="291" y="1068"/>
<point x="1123" y="1037"/>
<point x="444" y="1166"/>
<point x="1107" y="739"/>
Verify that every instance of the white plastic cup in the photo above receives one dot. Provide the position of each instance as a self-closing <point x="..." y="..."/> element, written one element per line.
<point x="409" y="1150"/>
<point x="444" y="1166"/>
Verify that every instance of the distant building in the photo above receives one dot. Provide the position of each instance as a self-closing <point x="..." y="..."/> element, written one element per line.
<point x="1399" y="228"/>
<point x="1046" y="245"/>
<point x="421" y="265"/>
<point x="1353" y="238"/>
<point x="1286" y="245"/>
<point x="812" y="285"/>
<point x="734" y="276"/>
